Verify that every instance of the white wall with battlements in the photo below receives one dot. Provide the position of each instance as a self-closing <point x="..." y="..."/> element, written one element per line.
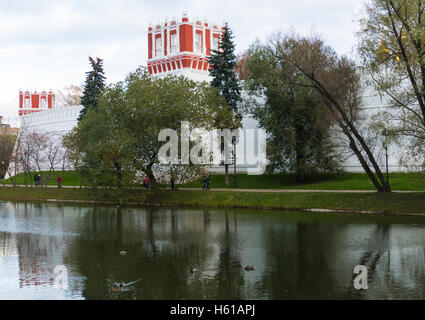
<point x="55" y="120"/>
<point x="52" y="124"/>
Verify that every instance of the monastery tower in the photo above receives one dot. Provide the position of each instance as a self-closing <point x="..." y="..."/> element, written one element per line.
<point x="35" y="102"/>
<point x="182" y="48"/>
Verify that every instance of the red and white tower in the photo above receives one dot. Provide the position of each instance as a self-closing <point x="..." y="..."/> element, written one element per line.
<point x="35" y="102"/>
<point x="182" y="47"/>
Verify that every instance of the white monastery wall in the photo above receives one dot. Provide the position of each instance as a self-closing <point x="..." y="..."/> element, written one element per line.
<point x="59" y="120"/>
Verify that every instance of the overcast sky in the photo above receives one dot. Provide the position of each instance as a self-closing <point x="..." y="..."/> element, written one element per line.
<point x="45" y="44"/>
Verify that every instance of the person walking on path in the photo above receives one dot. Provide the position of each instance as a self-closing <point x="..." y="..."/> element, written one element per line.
<point x="205" y="181"/>
<point x="59" y="182"/>
<point x="208" y="182"/>
<point x="36" y="179"/>
<point x="146" y="182"/>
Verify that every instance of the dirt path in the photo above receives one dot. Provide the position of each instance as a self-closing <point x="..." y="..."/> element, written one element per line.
<point x="253" y="190"/>
<point x="292" y="190"/>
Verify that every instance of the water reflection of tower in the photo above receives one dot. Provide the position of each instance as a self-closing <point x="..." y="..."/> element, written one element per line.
<point x="9" y="264"/>
<point x="41" y="249"/>
<point x="8" y="238"/>
<point x="8" y="244"/>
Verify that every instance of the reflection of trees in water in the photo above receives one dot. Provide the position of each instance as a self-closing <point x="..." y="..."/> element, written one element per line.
<point x="149" y="229"/>
<point x="378" y="245"/>
<point x="8" y="244"/>
<point x="316" y="242"/>
<point x="302" y="258"/>
<point x="298" y="261"/>
<point x="229" y="276"/>
<point x="304" y="255"/>
<point x="389" y="279"/>
<point x="377" y="251"/>
<point x="207" y="219"/>
<point x="159" y="253"/>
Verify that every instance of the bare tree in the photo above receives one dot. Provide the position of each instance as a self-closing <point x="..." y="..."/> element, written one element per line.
<point x="52" y="153"/>
<point x="66" y="163"/>
<point x="24" y="154"/>
<point x="31" y="153"/>
<point x="69" y="96"/>
<point x="39" y="142"/>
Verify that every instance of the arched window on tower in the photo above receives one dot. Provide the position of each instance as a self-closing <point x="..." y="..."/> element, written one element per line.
<point x="27" y="102"/>
<point x="198" y="42"/>
<point x="43" y="103"/>
<point x="158" y="46"/>
<point x="215" y="43"/>
<point x="173" y="40"/>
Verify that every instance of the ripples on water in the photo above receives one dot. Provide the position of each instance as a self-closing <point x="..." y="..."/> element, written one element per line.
<point x="296" y="255"/>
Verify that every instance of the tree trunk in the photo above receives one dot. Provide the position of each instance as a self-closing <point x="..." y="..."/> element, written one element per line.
<point x="351" y="132"/>
<point x="226" y="174"/>
<point x="152" y="179"/>
<point x="383" y="187"/>
<point x="118" y="173"/>
<point x="150" y="174"/>
<point x="300" y="167"/>
<point x="300" y="152"/>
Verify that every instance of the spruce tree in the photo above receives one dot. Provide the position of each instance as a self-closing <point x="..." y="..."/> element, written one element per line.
<point x="93" y="87"/>
<point x="223" y="64"/>
<point x="222" y="69"/>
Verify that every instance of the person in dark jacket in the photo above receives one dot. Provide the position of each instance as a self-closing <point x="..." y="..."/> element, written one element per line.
<point x="208" y="182"/>
<point x="204" y="180"/>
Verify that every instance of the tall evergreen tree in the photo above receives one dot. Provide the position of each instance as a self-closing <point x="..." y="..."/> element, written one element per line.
<point x="222" y="69"/>
<point x="93" y="87"/>
<point x="223" y="65"/>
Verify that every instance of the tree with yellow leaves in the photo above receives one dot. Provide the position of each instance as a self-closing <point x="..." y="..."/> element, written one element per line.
<point x="392" y="48"/>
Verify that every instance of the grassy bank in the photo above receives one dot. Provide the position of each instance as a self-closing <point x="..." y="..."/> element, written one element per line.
<point x="343" y="181"/>
<point x="412" y="181"/>
<point x="390" y="203"/>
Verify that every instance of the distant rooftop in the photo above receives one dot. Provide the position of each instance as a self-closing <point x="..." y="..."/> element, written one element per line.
<point x="4" y="127"/>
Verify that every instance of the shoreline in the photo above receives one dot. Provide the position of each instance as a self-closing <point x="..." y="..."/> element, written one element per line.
<point x="226" y="200"/>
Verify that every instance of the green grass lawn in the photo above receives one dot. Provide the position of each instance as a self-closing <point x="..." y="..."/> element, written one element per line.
<point x="69" y="178"/>
<point x="390" y="203"/>
<point x="344" y="181"/>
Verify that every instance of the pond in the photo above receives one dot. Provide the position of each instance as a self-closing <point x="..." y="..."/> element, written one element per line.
<point x="53" y="251"/>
